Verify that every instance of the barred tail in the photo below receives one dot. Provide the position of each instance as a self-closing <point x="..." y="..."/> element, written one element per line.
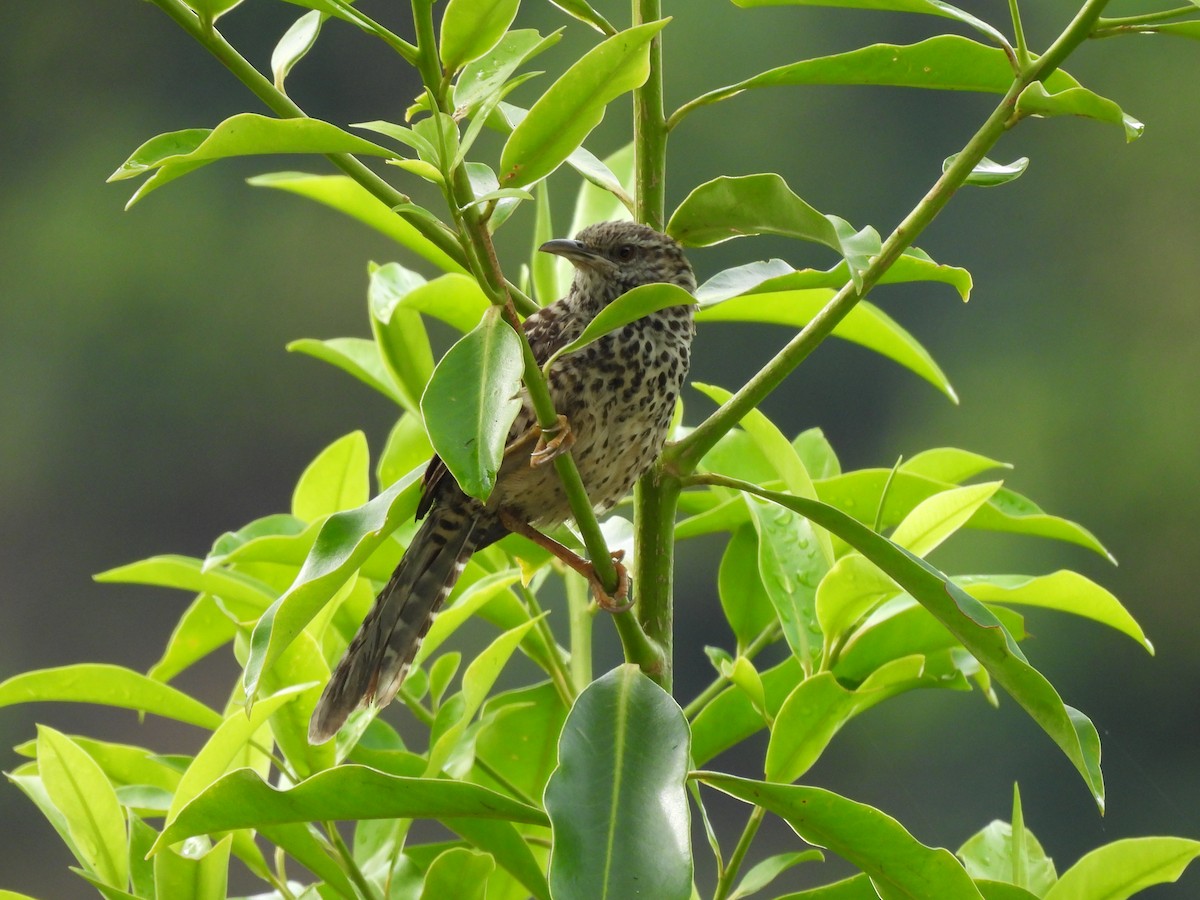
<point x="379" y="656"/>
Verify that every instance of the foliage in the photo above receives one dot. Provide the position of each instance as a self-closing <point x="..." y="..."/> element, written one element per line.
<point x="574" y="786"/>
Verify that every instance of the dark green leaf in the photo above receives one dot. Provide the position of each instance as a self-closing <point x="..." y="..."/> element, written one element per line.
<point x="617" y="801"/>
<point x="898" y="864"/>
<point x="471" y="402"/>
<point x="729" y="207"/>
<point x="574" y="105"/>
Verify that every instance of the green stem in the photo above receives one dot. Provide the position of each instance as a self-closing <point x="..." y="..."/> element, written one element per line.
<point x="580" y="613"/>
<point x="655" y="501"/>
<point x="556" y="667"/>
<point x="348" y="862"/>
<point x="1019" y="34"/>
<point x="650" y="128"/>
<point x="686" y="455"/>
<point x="725" y="883"/>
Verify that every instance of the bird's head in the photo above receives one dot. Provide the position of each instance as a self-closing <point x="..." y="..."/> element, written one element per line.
<point x="611" y="258"/>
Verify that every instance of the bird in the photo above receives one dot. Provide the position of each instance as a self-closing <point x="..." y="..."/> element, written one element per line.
<point x="615" y="399"/>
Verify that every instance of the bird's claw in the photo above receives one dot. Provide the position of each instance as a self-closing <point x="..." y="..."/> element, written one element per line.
<point x="561" y="438"/>
<point x="618" y="601"/>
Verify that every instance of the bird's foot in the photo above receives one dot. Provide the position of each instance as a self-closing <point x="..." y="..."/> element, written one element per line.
<point x="552" y="442"/>
<point x="618" y="601"/>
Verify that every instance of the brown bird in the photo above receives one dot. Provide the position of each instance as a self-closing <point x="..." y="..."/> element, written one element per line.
<point x="615" y="398"/>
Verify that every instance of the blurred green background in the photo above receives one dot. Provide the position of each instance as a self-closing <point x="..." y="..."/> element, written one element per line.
<point x="147" y="404"/>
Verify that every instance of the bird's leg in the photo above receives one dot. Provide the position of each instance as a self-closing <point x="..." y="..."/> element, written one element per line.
<point x="561" y="437"/>
<point x="614" y="603"/>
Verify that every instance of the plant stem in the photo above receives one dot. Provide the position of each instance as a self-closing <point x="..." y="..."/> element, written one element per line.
<point x="1144" y="18"/>
<point x="1019" y="34"/>
<point x="650" y="129"/>
<point x="348" y="863"/>
<point x="578" y="609"/>
<point x="686" y="455"/>
<point x="725" y="883"/>
<point x="562" y="677"/>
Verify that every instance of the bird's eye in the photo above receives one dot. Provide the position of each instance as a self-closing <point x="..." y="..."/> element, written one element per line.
<point x="626" y="252"/>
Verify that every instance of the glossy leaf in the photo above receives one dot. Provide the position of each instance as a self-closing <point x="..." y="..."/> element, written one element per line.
<point x="336" y="480"/>
<point x="950" y="464"/>
<point x="348" y="196"/>
<point x="617" y="801"/>
<point x="295" y="44"/>
<point x="731" y="718"/>
<point x="1037" y="100"/>
<point x="994" y="853"/>
<point x="343" y="544"/>
<point x="357" y="356"/>
<point x="193" y="873"/>
<point x="1064" y="591"/>
<point x="791" y="565"/>
<point x="1123" y="868"/>
<point x="744" y="599"/>
<point x="976" y="627"/>
<point x="471" y="28"/>
<point x="455" y="299"/>
<point x="571" y="107"/>
<point x="458" y="873"/>
<point x="936" y="518"/>
<point x="484" y="77"/>
<point x="865" y="324"/>
<point x="245" y="134"/>
<point x="991" y="174"/>
<point x="850" y="589"/>
<point x="898" y="864"/>
<point x="79" y="789"/>
<point x="636" y="304"/>
<point x="106" y="685"/>
<point x="243" y="800"/>
<point x="471" y="402"/>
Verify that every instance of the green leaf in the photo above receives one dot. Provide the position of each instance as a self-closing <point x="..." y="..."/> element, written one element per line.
<point x="210" y="10"/>
<point x="850" y="589"/>
<point x="991" y="174"/>
<point x="79" y="789"/>
<point x="771" y="868"/>
<point x="357" y="356"/>
<point x="571" y="107"/>
<point x="994" y="853"/>
<point x="617" y="801"/>
<point x="469" y="600"/>
<point x="1036" y="100"/>
<point x="338" y="479"/>
<point x="471" y="28"/>
<point x="936" y="518"/>
<point x="744" y="599"/>
<point x="196" y="873"/>
<point x="731" y="718"/>
<point x="1064" y="591"/>
<point x="865" y="324"/>
<point x="818" y="708"/>
<point x="976" y="627"/>
<point x="345" y="541"/>
<point x="1122" y="868"/>
<point x="295" y="44"/>
<point x="930" y="7"/>
<point x="203" y="628"/>
<point x="399" y="332"/>
<point x="242" y="799"/>
<point x="791" y="564"/>
<point x="471" y="402"/>
<point x="455" y="299"/>
<point x="729" y="207"/>
<point x="407" y="448"/>
<point x="106" y="685"/>
<point x="141" y="867"/>
<point x="898" y="864"/>
<point x="950" y="464"/>
<point x="459" y="873"/>
<point x="347" y="196"/>
<point x="636" y="304"/>
<point x="224" y="748"/>
<point x="484" y="77"/>
<point x="603" y="195"/>
<point x="245" y="595"/>
<point x="549" y="282"/>
<point x="859" y="492"/>
<point x="245" y="134"/>
<point x="855" y="888"/>
<point x="523" y="741"/>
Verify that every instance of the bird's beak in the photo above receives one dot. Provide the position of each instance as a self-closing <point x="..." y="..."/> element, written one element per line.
<point x="576" y="252"/>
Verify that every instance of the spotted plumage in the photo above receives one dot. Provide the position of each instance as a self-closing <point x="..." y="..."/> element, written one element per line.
<point x="618" y="395"/>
